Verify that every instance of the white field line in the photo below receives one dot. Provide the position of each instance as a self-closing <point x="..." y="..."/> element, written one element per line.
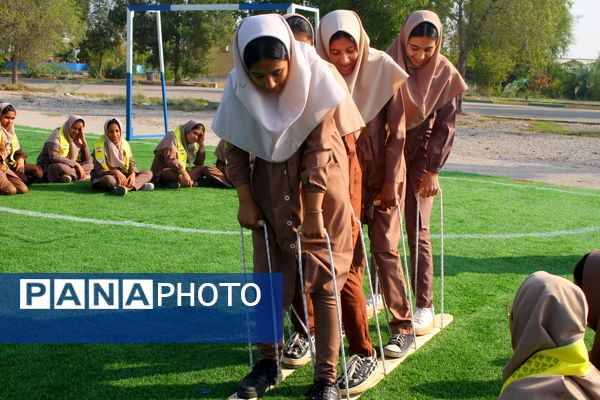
<point x="215" y="232"/>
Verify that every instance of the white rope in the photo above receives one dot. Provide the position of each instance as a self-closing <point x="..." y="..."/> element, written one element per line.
<point x="407" y="279"/>
<point x="442" y="257"/>
<point x="243" y="255"/>
<point x="311" y="344"/>
<point x="273" y="309"/>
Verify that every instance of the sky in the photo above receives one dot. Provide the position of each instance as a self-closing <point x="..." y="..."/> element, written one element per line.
<point x="586" y="32"/>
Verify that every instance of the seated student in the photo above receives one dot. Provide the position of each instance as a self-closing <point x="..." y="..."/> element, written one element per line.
<point x="114" y="165"/>
<point x="10" y="183"/>
<point x="587" y="277"/>
<point x="15" y="161"/>
<point x="550" y="360"/>
<point x="65" y="156"/>
<point x="178" y="148"/>
<point x="217" y="175"/>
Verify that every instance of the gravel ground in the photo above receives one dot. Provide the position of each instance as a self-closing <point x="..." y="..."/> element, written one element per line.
<point x="482" y="145"/>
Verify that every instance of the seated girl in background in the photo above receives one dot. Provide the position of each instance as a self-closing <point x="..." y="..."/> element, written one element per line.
<point x="114" y="165"/>
<point x="15" y="160"/>
<point x="65" y="156"/>
<point x="10" y="183"/>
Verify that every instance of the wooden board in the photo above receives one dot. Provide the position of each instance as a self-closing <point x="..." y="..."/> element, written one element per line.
<point x="390" y="363"/>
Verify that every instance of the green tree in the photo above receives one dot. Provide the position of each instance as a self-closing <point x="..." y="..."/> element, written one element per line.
<point x="35" y="29"/>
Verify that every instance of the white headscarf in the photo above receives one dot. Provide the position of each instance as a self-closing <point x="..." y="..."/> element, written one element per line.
<point x="274" y="126"/>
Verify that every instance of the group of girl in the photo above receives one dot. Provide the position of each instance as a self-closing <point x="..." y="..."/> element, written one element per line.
<point x="111" y="167"/>
<point x="339" y="135"/>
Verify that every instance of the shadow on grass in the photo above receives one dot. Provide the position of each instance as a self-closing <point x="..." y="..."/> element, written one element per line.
<point x="75" y="187"/>
<point x="461" y="389"/>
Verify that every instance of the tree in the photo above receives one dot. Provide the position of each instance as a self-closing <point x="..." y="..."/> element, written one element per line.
<point x="34" y="29"/>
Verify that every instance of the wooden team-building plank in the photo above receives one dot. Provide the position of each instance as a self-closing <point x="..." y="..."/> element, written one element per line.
<point x="390" y="363"/>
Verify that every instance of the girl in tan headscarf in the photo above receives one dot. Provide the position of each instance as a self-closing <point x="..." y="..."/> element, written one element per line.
<point x="65" y="156"/>
<point x="114" y="166"/>
<point x="587" y="277"/>
<point x="278" y="105"/>
<point x="550" y="360"/>
<point x="15" y="160"/>
<point x="374" y="79"/>
<point x="430" y="104"/>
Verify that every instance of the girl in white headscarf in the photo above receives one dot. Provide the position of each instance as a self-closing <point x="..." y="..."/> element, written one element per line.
<point x="278" y="105"/>
<point x="114" y="165"/>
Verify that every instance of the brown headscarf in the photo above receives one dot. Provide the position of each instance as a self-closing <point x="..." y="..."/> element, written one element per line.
<point x="114" y="153"/>
<point x="431" y="85"/>
<point x="590" y="283"/>
<point x="170" y="140"/>
<point x="74" y="148"/>
<point x="347" y="116"/>
<point x="376" y="76"/>
<point x="7" y="135"/>
<point x="548" y="312"/>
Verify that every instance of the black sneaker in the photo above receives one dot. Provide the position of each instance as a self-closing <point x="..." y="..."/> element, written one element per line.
<point x="296" y="351"/>
<point x="119" y="190"/>
<point x="256" y="383"/>
<point x="360" y="370"/>
<point x="321" y="390"/>
<point x="399" y="345"/>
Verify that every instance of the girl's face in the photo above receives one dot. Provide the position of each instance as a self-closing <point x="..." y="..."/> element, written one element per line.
<point x="343" y="54"/>
<point x="76" y="130"/>
<point x="419" y="49"/>
<point x="195" y="136"/>
<point x="269" y="75"/>
<point x="114" y="133"/>
<point x="7" y="120"/>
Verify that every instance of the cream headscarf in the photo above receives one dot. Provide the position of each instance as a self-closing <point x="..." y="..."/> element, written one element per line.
<point x="7" y="135"/>
<point x="114" y="153"/>
<point x="431" y="85"/>
<point x="274" y="126"/>
<point x="376" y="77"/>
<point x="548" y="312"/>
<point x="170" y="140"/>
<point x="54" y="137"/>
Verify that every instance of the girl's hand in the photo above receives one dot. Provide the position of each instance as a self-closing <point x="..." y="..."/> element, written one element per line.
<point x="20" y="167"/>
<point x="186" y="180"/>
<point x="387" y="196"/>
<point x="430" y="185"/>
<point x="130" y="181"/>
<point x="313" y="226"/>
<point x="248" y="212"/>
<point x="121" y="179"/>
<point x="80" y="172"/>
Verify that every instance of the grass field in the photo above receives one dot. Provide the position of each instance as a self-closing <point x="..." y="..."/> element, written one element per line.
<point x="498" y="231"/>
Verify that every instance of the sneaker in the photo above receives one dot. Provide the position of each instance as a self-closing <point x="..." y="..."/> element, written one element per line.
<point x="296" y="352"/>
<point x="173" y="185"/>
<point x="65" y="179"/>
<point x="398" y="345"/>
<point x="119" y="190"/>
<point x="322" y="390"/>
<point x="379" y="301"/>
<point x="423" y="320"/>
<point x="360" y="371"/>
<point x="148" y="186"/>
<point x="256" y="383"/>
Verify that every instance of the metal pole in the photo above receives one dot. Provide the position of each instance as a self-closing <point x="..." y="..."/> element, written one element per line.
<point x="162" y="73"/>
<point x="128" y="76"/>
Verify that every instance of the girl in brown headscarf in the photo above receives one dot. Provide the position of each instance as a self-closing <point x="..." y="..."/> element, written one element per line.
<point x="65" y="156"/>
<point x="114" y="165"/>
<point x="587" y="277"/>
<point x="550" y="360"/>
<point x="374" y="80"/>
<point x="15" y="160"/>
<point x="430" y="104"/>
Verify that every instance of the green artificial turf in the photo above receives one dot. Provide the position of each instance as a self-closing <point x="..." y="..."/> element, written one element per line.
<point x="463" y="362"/>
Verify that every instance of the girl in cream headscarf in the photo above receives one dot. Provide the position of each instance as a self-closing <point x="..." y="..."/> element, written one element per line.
<point x="278" y="105"/>
<point x="550" y="360"/>
<point x="65" y="156"/>
<point x="114" y="165"/>
<point x="15" y="160"/>
<point x="374" y="80"/>
<point x="430" y="105"/>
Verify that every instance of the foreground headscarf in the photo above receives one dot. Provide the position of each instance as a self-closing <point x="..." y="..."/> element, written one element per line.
<point x="114" y="153"/>
<point x="274" y="126"/>
<point x="170" y="140"/>
<point x="347" y="116"/>
<point x="376" y="77"/>
<point x="7" y="135"/>
<point x="55" y="136"/>
<point x="591" y="287"/>
<point x="431" y="85"/>
<point x="548" y="321"/>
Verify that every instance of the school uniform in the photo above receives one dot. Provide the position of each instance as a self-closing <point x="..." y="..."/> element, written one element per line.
<point x="10" y="183"/>
<point x="217" y="174"/>
<point x="589" y="283"/>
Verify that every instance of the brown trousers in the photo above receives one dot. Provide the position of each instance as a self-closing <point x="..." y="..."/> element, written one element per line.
<point x="327" y="342"/>
<point x="107" y="182"/>
<point x="32" y="174"/>
<point x="169" y="174"/>
<point x="10" y="183"/>
<point x="54" y="171"/>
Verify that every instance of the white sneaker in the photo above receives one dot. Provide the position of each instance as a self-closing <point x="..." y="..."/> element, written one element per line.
<point x="378" y="300"/>
<point x="423" y="320"/>
<point x="148" y="186"/>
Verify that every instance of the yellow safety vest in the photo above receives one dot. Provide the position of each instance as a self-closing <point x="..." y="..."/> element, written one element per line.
<point x="64" y="142"/>
<point x="569" y="360"/>
<point x="101" y="158"/>
<point x="14" y="144"/>
<point x="181" y="151"/>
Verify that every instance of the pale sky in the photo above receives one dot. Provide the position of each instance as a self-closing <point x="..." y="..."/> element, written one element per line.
<point x="586" y="32"/>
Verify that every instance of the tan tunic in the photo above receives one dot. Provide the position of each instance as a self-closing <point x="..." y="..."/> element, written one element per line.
<point x="167" y="158"/>
<point x="55" y="165"/>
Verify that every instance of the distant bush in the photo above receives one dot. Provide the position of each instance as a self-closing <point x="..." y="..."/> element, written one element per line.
<point x="115" y="71"/>
<point x="45" y="71"/>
